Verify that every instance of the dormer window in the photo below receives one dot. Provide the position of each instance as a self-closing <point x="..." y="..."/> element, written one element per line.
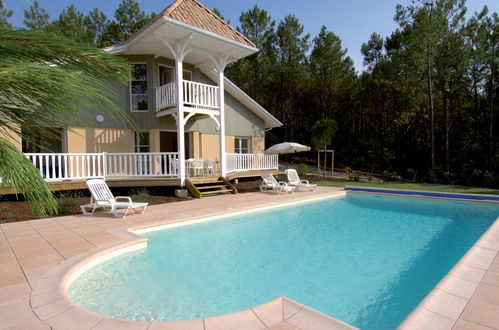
<point x="138" y="88"/>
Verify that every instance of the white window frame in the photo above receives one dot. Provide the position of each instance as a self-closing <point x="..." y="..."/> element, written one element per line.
<point x="237" y="140"/>
<point x="173" y="69"/>
<point x="147" y="82"/>
<point x="136" y="138"/>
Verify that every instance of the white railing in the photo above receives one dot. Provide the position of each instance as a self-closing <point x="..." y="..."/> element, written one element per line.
<point x="200" y="95"/>
<point x="66" y="166"/>
<point x="165" y="96"/>
<point x="194" y="94"/>
<point x="251" y="162"/>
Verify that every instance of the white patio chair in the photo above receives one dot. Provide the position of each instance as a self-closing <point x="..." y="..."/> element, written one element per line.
<point x="103" y="197"/>
<point x="270" y="183"/>
<point x="210" y="166"/>
<point x="294" y="181"/>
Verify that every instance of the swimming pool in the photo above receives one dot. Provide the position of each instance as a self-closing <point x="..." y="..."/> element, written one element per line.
<point x="364" y="259"/>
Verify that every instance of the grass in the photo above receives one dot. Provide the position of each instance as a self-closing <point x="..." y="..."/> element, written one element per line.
<point x="413" y="186"/>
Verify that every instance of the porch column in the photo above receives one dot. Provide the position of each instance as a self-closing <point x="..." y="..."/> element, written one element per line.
<point x="221" y="135"/>
<point x="180" y="119"/>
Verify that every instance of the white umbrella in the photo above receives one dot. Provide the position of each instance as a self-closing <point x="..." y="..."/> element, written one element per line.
<point x="286" y="148"/>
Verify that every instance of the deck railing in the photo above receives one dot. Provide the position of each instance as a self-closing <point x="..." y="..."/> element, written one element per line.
<point x="165" y="96"/>
<point x="70" y="166"/>
<point x="251" y="162"/>
<point x="194" y="95"/>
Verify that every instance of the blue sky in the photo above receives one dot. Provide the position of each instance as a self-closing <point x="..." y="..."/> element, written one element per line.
<point x="353" y="20"/>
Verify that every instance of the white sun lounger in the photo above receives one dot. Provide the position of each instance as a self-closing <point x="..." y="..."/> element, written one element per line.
<point x="270" y="183"/>
<point x="294" y="181"/>
<point x="102" y="197"/>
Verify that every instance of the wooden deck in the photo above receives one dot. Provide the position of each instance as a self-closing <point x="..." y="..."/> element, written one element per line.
<point x="136" y="182"/>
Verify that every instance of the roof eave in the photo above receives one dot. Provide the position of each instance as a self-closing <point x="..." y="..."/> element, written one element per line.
<point x="210" y="34"/>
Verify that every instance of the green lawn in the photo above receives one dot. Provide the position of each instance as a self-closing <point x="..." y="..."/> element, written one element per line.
<point x="414" y="186"/>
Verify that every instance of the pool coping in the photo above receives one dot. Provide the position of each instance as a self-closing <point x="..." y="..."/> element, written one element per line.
<point x="56" y="309"/>
<point x="426" y="193"/>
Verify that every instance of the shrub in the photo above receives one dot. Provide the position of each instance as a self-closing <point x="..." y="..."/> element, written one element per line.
<point x="302" y="169"/>
<point x="411" y="174"/>
<point x="353" y="176"/>
<point x="488" y="179"/>
<point x="142" y="196"/>
<point x="475" y="179"/>
<point x="387" y="175"/>
<point x="68" y="200"/>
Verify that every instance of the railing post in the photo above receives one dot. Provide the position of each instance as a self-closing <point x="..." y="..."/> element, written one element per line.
<point x="104" y="163"/>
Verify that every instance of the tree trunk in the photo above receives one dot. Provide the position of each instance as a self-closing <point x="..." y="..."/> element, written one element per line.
<point x="446" y="95"/>
<point x="432" y="114"/>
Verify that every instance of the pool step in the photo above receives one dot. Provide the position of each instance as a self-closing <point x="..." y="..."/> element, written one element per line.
<point x="199" y="187"/>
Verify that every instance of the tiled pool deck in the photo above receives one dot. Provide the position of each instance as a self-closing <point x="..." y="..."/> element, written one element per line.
<point x="38" y="258"/>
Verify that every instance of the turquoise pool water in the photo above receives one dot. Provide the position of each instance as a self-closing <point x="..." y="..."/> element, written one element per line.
<point x="365" y="259"/>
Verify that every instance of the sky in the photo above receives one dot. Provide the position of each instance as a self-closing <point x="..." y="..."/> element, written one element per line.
<point x="352" y="20"/>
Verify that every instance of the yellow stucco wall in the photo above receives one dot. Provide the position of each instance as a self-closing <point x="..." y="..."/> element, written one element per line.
<point x="12" y="137"/>
<point x="89" y="140"/>
<point x="209" y="145"/>
<point x="257" y="144"/>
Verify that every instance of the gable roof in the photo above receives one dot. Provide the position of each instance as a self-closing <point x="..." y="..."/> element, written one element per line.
<point x="193" y="13"/>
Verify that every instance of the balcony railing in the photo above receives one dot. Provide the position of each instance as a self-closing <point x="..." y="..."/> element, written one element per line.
<point x="71" y="166"/>
<point x="251" y="162"/>
<point x="194" y="95"/>
<point x="165" y="96"/>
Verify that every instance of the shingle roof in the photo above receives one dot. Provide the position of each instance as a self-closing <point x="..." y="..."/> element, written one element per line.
<point x="192" y="12"/>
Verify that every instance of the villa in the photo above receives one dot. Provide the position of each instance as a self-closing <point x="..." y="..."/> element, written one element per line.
<point x="193" y="121"/>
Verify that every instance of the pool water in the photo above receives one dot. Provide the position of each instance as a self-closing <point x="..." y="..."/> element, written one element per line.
<point x="367" y="260"/>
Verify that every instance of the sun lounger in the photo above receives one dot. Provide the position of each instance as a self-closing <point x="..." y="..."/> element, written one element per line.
<point x="294" y="181"/>
<point x="270" y="183"/>
<point x="102" y="197"/>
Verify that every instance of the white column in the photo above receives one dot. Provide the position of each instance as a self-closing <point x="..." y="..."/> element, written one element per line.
<point x="180" y="120"/>
<point x="221" y="104"/>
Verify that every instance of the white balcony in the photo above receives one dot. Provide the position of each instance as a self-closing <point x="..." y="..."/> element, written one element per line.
<point x="195" y="95"/>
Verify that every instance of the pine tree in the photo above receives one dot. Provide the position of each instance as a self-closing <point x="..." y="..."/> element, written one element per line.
<point x="5" y="14"/>
<point x="36" y="18"/>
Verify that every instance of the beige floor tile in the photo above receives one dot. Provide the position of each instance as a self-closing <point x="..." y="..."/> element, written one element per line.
<point x="487" y="293"/>
<point x="14" y="293"/>
<point x="491" y="278"/>
<point x="112" y="323"/>
<point x="178" y="325"/>
<point x="468" y="273"/>
<point x="282" y="326"/>
<point x="457" y="286"/>
<point x="16" y="313"/>
<point x="308" y="318"/>
<point x="74" y="319"/>
<point x="243" y="320"/>
<point x="482" y="313"/>
<point x="424" y="319"/>
<point x="290" y="307"/>
<point x="52" y="309"/>
<point x="271" y="312"/>
<point x="465" y="325"/>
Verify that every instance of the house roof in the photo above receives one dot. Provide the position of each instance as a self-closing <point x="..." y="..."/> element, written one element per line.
<point x="192" y="12"/>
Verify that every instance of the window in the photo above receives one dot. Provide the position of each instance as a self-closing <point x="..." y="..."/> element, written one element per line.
<point x="142" y="142"/>
<point x="167" y="75"/>
<point x="138" y="88"/>
<point x="241" y="145"/>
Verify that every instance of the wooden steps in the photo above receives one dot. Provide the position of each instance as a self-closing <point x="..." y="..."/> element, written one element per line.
<point x="206" y="186"/>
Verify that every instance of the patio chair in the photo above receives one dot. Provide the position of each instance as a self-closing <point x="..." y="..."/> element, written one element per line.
<point x="270" y="183"/>
<point x="294" y="181"/>
<point x="102" y="197"/>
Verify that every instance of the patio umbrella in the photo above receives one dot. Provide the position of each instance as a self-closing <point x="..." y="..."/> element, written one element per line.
<point x="286" y="148"/>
